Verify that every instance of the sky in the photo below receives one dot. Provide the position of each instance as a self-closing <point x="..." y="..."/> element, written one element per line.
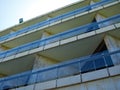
<point x="12" y="10"/>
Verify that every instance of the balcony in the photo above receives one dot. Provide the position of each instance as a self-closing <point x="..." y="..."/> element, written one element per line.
<point x="73" y="67"/>
<point x="56" y="19"/>
<point x="70" y="33"/>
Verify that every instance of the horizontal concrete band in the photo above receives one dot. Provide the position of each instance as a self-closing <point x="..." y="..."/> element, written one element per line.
<point x="62" y="42"/>
<point x="63" y="20"/>
<point x="72" y="80"/>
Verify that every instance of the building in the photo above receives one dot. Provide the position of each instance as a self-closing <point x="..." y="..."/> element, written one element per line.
<point x="76" y="47"/>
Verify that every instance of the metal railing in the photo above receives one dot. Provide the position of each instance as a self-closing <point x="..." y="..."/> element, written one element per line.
<point x="76" y="31"/>
<point x="55" y="19"/>
<point x="73" y="67"/>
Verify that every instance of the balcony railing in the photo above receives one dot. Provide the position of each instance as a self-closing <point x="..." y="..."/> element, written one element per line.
<point x="76" y="31"/>
<point x="55" y="19"/>
<point x="74" y="67"/>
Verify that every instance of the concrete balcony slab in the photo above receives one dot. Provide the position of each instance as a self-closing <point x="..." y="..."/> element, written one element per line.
<point x="68" y="40"/>
<point x="9" y="58"/>
<point x="21" y="54"/>
<point x="30" y="87"/>
<point x="67" y="18"/>
<point x="36" y="50"/>
<point x="81" y="14"/>
<point x="94" y="75"/>
<point x="117" y="25"/>
<point x="46" y="85"/>
<point x="54" y="44"/>
<point x="110" y="4"/>
<point x="55" y="23"/>
<point x="105" y="29"/>
<point x="21" y="88"/>
<point x="68" y="81"/>
<point x="96" y="9"/>
<point x="114" y="70"/>
<point x="86" y="35"/>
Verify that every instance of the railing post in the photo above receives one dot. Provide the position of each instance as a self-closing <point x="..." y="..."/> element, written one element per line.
<point x="103" y="55"/>
<point x="57" y="75"/>
<point x="35" y="81"/>
<point x="94" y="64"/>
<point x="80" y="71"/>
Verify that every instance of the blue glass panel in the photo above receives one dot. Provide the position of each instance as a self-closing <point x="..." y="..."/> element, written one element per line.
<point x="11" y="52"/>
<point x="11" y="83"/>
<point x="108" y="60"/>
<point x="87" y="66"/>
<point x="99" y="62"/>
<point x="23" y="80"/>
<point x="92" y="27"/>
<point x="2" y="55"/>
<point x="35" y="45"/>
<point x="68" y="70"/>
<point x="24" y="48"/>
<point x="32" y="78"/>
<point x="52" y="39"/>
<point x="47" y="75"/>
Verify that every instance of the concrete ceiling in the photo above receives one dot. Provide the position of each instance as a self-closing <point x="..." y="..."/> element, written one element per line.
<point x="17" y="66"/>
<point x="76" y="49"/>
<point x="70" y="24"/>
<point x="115" y="33"/>
<point x="23" y="40"/>
<point x="110" y="11"/>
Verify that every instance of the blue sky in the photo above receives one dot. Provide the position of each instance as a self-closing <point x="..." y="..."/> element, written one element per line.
<point x="12" y="10"/>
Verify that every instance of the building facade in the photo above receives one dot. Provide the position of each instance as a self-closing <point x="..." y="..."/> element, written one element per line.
<point x="76" y="47"/>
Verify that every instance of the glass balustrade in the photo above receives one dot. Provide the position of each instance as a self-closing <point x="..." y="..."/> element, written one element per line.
<point x="72" y="67"/>
<point x="55" y="19"/>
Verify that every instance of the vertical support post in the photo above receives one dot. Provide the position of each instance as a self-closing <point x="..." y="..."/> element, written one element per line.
<point x="113" y="44"/>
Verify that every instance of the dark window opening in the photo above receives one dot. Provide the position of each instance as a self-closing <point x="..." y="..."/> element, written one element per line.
<point x="101" y="47"/>
<point x="97" y="61"/>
